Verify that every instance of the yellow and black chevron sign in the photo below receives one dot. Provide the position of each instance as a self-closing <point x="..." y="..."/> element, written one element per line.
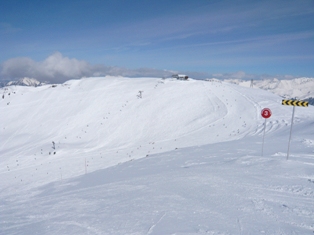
<point x="295" y="103"/>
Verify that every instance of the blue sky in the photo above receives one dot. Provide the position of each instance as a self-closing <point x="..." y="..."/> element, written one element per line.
<point x="47" y="39"/>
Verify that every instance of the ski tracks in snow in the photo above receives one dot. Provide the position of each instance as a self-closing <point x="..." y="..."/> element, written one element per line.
<point x="151" y="229"/>
<point x="234" y="120"/>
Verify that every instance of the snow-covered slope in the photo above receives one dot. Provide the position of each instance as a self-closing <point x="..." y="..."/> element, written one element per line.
<point x="106" y="116"/>
<point x="151" y="156"/>
<point x="299" y="88"/>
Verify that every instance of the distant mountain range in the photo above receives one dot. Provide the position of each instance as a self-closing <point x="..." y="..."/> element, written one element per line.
<point x="310" y="100"/>
<point x="22" y="82"/>
<point x="298" y="88"/>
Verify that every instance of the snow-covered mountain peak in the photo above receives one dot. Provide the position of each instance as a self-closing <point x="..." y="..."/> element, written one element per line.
<point x="299" y="88"/>
<point x="25" y="82"/>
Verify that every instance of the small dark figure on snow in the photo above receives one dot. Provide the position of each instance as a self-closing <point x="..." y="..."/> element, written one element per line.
<point x="53" y="145"/>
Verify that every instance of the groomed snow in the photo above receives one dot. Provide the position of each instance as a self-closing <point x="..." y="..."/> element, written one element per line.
<point x="184" y="158"/>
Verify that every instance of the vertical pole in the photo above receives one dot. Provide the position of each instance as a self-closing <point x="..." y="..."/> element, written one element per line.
<point x="290" y="132"/>
<point x="85" y="167"/>
<point x="263" y="137"/>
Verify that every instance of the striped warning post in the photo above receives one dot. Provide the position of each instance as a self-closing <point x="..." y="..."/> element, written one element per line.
<point x="295" y="103"/>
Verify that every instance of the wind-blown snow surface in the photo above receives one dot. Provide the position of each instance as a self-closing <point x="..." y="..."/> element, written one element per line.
<point x="183" y="159"/>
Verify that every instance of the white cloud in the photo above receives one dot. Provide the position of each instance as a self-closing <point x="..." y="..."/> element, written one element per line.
<point x="57" y="69"/>
<point x="235" y="75"/>
<point x="6" y="28"/>
<point x="56" y="64"/>
<point x="246" y="76"/>
<point x="215" y="21"/>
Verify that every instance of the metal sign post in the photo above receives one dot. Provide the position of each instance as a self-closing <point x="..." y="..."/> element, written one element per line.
<point x="293" y="103"/>
<point x="263" y="138"/>
<point x="266" y="113"/>
<point x="290" y="132"/>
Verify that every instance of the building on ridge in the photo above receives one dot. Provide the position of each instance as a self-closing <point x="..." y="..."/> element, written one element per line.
<point x="180" y="76"/>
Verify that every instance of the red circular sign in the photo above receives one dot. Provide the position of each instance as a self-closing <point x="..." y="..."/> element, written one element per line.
<point x="266" y="113"/>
